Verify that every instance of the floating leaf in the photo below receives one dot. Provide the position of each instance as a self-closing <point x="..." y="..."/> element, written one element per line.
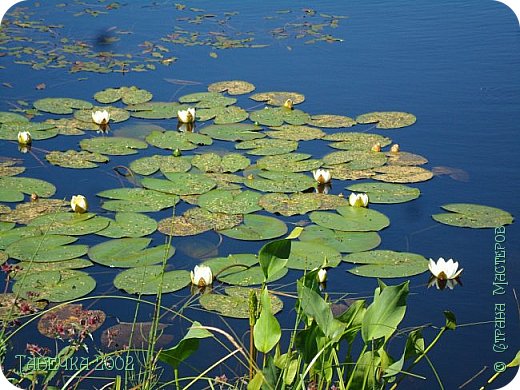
<point x="137" y="200"/>
<point x="341" y="241"/>
<point x="388" y="120"/>
<point x="212" y="162"/>
<point x="7" y="168"/>
<point x="129" y="95"/>
<point x="331" y="202"/>
<point x="256" y="227"/>
<point x="55" y="286"/>
<point x="149" y="165"/>
<point x="13" y="188"/>
<point x="288" y="205"/>
<point x="113" y="146"/>
<point x="238" y="261"/>
<point x="25" y="212"/>
<point x="289" y="162"/>
<point x="47" y="248"/>
<point x="402" y="174"/>
<point x="344" y="172"/>
<point x="116" y="114"/>
<point x="197" y="220"/>
<point x="272" y="181"/>
<point x="129" y="252"/>
<point x="386" y="192"/>
<point x="179" y="183"/>
<point x="222" y="115"/>
<point x="276" y="116"/>
<point x="250" y="276"/>
<point x="12" y="306"/>
<point x="309" y="255"/>
<point x="236" y="302"/>
<point x="72" y="126"/>
<point x="70" y="223"/>
<point x="148" y="279"/>
<point x="267" y="147"/>
<point x="128" y="224"/>
<point x="387" y="264"/>
<point x="473" y="216"/>
<point x="233" y="87"/>
<point x="72" y="319"/>
<point x="356" y="159"/>
<point x="29" y="267"/>
<point x="38" y="130"/>
<point x="405" y="158"/>
<point x="6" y="117"/>
<point x="296" y="133"/>
<point x="174" y="140"/>
<point x="331" y="121"/>
<point x="356" y="141"/>
<point x="207" y="99"/>
<point x="73" y="159"/>
<point x="351" y="219"/>
<point x="228" y="202"/>
<point x="156" y="110"/>
<point x="7" y="237"/>
<point x="61" y="105"/>
<point x="278" y="98"/>
<point x="233" y="132"/>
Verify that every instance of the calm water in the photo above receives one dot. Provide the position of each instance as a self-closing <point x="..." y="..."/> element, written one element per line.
<point x="453" y="64"/>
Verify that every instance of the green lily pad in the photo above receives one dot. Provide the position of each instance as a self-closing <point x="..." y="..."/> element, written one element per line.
<point x="473" y="216"/>
<point x="113" y="146"/>
<point x="229" y="202"/>
<point x="77" y="160"/>
<point x="6" y="117"/>
<point x="149" y="165"/>
<point x="7" y="168"/>
<point x="197" y="220"/>
<point x="307" y="255"/>
<point x="256" y="227"/>
<point x="289" y="162"/>
<point x="387" y="264"/>
<point x="386" y="192"/>
<point x="129" y="252"/>
<point x="47" y="248"/>
<point x="250" y="276"/>
<point x="148" y="279"/>
<point x="402" y="174"/>
<point x="351" y="219"/>
<point x="128" y="224"/>
<point x="405" y="158"/>
<point x="25" y="212"/>
<point x="70" y="223"/>
<point x="345" y="172"/>
<point x="207" y="99"/>
<point x="276" y="116"/>
<point x="212" y="162"/>
<point x="72" y="126"/>
<point x="55" y="286"/>
<point x="233" y="132"/>
<point x="27" y="267"/>
<point x="330" y="202"/>
<point x="156" y="110"/>
<point x="38" y="130"/>
<point x="235" y="303"/>
<point x="129" y="95"/>
<point x="222" y="115"/>
<point x="388" y="120"/>
<point x="356" y="141"/>
<point x="356" y="159"/>
<point x="137" y="200"/>
<point x="331" y="121"/>
<point x="174" y="140"/>
<point x="267" y="147"/>
<point x="238" y="261"/>
<point x="288" y="205"/>
<point x="341" y="241"/>
<point x="278" y="98"/>
<point x="116" y="114"/>
<point x="13" y="188"/>
<point x="272" y="181"/>
<point x="61" y="105"/>
<point x="7" y="237"/>
<point x="232" y="87"/>
<point x="296" y="133"/>
<point x="179" y="183"/>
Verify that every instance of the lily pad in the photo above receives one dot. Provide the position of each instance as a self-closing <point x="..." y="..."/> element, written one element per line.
<point x="250" y="276"/>
<point x="6" y="117"/>
<point x="256" y="227"/>
<point x="149" y="165"/>
<point x="331" y="121"/>
<point x="405" y="158"/>
<point x="137" y="200"/>
<point x="61" y="105"/>
<point x="473" y="216"/>
<point x="356" y="141"/>
<point x="309" y="255"/>
<point x="156" y="110"/>
<point x="72" y="320"/>
<point x="351" y="219"/>
<point x="288" y="205"/>
<point x="388" y="120"/>
<point x="38" y="130"/>
<point x="179" y="183"/>
<point x="7" y="168"/>
<point x="129" y="252"/>
<point x="233" y="132"/>
<point x="272" y="181"/>
<point x="267" y="147"/>
<point x="25" y="212"/>
<point x="148" y="279"/>
<point x="402" y="174"/>
<point x="72" y="126"/>
<point x="386" y="192"/>
<point x="77" y="160"/>
<point x="13" y="306"/>
<point x="235" y="303"/>
<point x="387" y="264"/>
<point x="276" y="116"/>
<point x="7" y="237"/>
<point x="197" y="220"/>
<point x="116" y="114"/>
<point x="238" y="261"/>
<point x="345" y="172"/>
<point x="47" y="248"/>
<point x="128" y="224"/>
<point x="341" y="241"/>
<point x="289" y="162"/>
<point x="232" y="87"/>
<point x="13" y="188"/>
<point x="278" y="98"/>
<point x="296" y="133"/>
<point x="229" y="202"/>
<point x="222" y="115"/>
<point x="55" y="286"/>
<point x="113" y="146"/>
<point x="207" y="99"/>
<point x="129" y="95"/>
<point x="174" y="140"/>
<point x="212" y="162"/>
<point x="356" y="159"/>
<point x="29" y="267"/>
<point x="330" y="202"/>
<point x="70" y="223"/>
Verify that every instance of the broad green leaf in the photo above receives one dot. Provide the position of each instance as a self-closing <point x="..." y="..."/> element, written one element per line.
<point x="207" y="99"/>
<point x="295" y="133"/>
<point x="351" y="219"/>
<point x="197" y="220"/>
<point x="256" y="227"/>
<point x="150" y="165"/>
<point x="402" y="174"/>
<point x="129" y="95"/>
<point x="387" y="264"/>
<point x="356" y="159"/>
<point x="70" y="223"/>
<point x="267" y="147"/>
<point x="234" y="262"/>
<point x="250" y="276"/>
<point x="137" y="200"/>
<point x="388" y="120"/>
<point x="356" y="141"/>
<point x="473" y="216"/>
<point x="175" y="140"/>
<point x="148" y="279"/>
<point x="289" y="162"/>
<point x="277" y="116"/>
<point x="341" y="241"/>
<point x="47" y="248"/>
<point x="232" y="87"/>
<point x="310" y="255"/>
<point x="113" y="146"/>
<point x="74" y="159"/>
<point x="272" y="181"/>
<point x="278" y="98"/>
<point x="129" y="224"/>
<point x="267" y="331"/>
<point x="61" y="105"/>
<point x="116" y="114"/>
<point x="212" y="162"/>
<point x="156" y="110"/>
<point x="223" y="115"/>
<point x="180" y="183"/>
<point x="273" y="256"/>
<point x="233" y="132"/>
<point x="229" y="202"/>
<point x="331" y="121"/>
<point x="386" y="192"/>
<point x="13" y="188"/>
<point x="287" y="205"/>
<point x="129" y="252"/>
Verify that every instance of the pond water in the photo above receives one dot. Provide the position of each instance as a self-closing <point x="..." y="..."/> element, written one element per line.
<point x="454" y="65"/>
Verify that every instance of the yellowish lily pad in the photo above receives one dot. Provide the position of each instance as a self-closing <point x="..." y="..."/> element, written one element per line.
<point x="232" y="87"/>
<point x="388" y="119"/>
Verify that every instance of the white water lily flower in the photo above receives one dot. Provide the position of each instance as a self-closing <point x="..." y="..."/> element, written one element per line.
<point x="186" y="116"/>
<point x="101" y="117"/>
<point x="201" y="276"/>
<point x="79" y="204"/>
<point x="358" y="200"/>
<point x="444" y="270"/>
<point x="322" y="275"/>
<point x="24" y="138"/>
<point x="322" y="176"/>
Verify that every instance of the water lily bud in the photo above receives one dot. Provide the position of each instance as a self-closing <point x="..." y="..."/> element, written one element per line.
<point x="358" y="200"/>
<point x="79" y="204"/>
<point x="34" y="197"/>
<point x="394" y="148"/>
<point x="100" y="117"/>
<point x="376" y="147"/>
<point x="24" y="138"/>
<point x="322" y="275"/>
<point x="322" y="176"/>
<point x="201" y="276"/>
<point x="186" y="116"/>
<point x="288" y="104"/>
<point x="177" y="153"/>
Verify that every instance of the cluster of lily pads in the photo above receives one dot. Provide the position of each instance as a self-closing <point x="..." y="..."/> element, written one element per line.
<point x="239" y="194"/>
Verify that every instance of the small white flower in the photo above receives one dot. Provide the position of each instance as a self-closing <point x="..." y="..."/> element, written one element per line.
<point x="322" y="176"/>
<point x="358" y="200"/>
<point x="100" y="117"/>
<point x="322" y="275"/>
<point x="79" y="204"/>
<point x="24" y="138"/>
<point x="201" y="276"/>
<point x="186" y="116"/>
<point x="444" y="270"/>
